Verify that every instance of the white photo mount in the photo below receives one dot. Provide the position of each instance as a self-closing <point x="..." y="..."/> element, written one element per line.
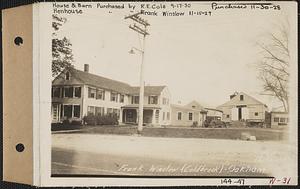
<point x="27" y="98"/>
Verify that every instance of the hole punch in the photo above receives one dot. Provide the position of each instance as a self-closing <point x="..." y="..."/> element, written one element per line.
<point x="20" y="147"/>
<point x="18" y="41"/>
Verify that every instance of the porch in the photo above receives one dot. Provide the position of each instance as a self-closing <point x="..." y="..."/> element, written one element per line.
<point x="60" y="112"/>
<point x="130" y="115"/>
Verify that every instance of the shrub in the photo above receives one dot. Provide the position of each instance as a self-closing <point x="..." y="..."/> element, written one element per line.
<point x="76" y="122"/>
<point x="107" y="120"/>
<point x="66" y="122"/>
<point x="101" y="120"/>
<point x="89" y="120"/>
<point x="195" y="124"/>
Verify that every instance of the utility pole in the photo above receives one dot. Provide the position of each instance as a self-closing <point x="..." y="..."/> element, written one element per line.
<point x="137" y="27"/>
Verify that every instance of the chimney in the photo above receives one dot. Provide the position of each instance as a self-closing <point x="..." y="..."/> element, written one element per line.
<point x="86" y="68"/>
<point x="233" y="95"/>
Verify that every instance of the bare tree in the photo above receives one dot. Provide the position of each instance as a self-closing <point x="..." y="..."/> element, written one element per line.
<point x="274" y="65"/>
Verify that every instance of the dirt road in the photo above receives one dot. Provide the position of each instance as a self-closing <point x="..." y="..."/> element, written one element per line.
<point x="133" y="155"/>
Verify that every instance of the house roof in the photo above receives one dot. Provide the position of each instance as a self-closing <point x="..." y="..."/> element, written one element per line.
<point x="146" y="106"/>
<point x="186" y="108"/>
<point x="247" y="100"/>
<point x="198" y="105"/>
<point x="148" y="90"/>
<point x="81" y="77"/>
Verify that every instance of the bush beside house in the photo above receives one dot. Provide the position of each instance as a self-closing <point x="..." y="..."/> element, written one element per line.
<point x="100" y="120"/>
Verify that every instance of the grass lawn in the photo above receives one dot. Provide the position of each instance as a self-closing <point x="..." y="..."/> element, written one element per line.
<point x="184" y="132"/>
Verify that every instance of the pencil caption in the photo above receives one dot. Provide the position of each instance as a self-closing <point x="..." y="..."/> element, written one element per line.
<point x="163" y="9"/>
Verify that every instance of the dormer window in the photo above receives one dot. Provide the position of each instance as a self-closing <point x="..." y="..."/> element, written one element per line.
<point x="67" y="75"/>
<point x="241" y="97"/>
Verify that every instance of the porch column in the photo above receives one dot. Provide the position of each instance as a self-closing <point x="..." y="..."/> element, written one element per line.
<point x="153" y="116"/>
<point x="121" y="116"/>
<point x="137" y="115"/>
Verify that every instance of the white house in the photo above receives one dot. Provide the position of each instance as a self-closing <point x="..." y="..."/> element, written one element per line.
<point x="188" y="115"/>
<point x="76" y="94"/>
<point x="157" y="109"/>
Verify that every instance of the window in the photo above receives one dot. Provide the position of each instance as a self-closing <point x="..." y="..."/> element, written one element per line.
<point x="109" y="111"/>
<point x="99" y="111"/>
<point x="193" y="106"/>
<point x="116" y="112"/>
<point x="168" y="115"/>
<point x="114" y="97"/>
<point x="76" y="111"/>
<point x="67" y="75"/>
<point x="165" y="101"/>
<point x="179" y="115"/>
<point x="91" y="92"/>
<point x="67" y="111"/>
<point x="190" y="116"/>
<point x="121" y="98"/>
<point x="77" y="92"/>
<point x="282" y="120"/>
<point x="135" y="100"/>
<point x="256" y="113"/>
<point x="68" y="92"/>
<point x="276" y="119"/>
<point x="164" y="115"/>
<point x="241" y="97"/>
<point x="152" y="100"/>
<point x="227" y="116"/>
<point x="100" y="94"/>
<point x="91" y="110"/>
<point x="56" y="92"/>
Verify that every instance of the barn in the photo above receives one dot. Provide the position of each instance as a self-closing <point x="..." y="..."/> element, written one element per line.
<point x="242" y="107"/>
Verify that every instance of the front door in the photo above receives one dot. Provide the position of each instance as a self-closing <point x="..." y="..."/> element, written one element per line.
<point x="239" y="113"/>
<point x="130" y="116"/>
<point x="147" y="118"/>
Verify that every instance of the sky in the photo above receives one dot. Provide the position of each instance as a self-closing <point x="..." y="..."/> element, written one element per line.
<point x="203" y="58"/>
